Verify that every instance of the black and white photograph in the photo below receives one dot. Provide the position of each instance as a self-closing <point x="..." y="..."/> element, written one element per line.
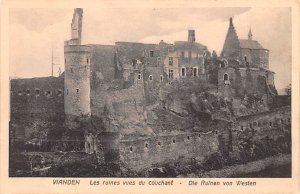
<point x="145" y="92"/>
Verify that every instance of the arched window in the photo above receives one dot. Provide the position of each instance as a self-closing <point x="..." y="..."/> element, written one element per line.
<point x="226" y="77"/>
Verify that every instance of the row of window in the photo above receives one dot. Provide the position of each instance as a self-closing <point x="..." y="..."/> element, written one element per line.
<point x="151" y="77"/>
<point x="159" y="144"/>
<point x="151" y="54"/>
<point x="270" y="124"/>
<point x="171" y="74"/>
<point x="37" y="92"/>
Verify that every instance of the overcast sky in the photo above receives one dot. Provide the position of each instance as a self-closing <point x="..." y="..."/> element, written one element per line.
<point x="33" y="32"/>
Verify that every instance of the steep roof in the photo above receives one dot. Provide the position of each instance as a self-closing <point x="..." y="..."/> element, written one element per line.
<point x="250" y="44"/>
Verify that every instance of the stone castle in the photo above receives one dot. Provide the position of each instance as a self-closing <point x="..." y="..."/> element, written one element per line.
<point x="144" y="104"/>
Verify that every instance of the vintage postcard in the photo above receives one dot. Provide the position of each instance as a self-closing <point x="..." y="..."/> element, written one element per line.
<point x="151" y="97"/>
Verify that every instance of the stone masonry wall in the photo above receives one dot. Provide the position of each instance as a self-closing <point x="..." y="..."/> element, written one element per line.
<point x="143" y="153"/>
<point x="264" y="124"/>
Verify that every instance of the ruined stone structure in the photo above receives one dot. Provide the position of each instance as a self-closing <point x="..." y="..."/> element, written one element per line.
<point x="129" y="99"/>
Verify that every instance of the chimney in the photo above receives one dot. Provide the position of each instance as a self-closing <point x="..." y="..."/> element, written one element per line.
<point x="191" y="36"/>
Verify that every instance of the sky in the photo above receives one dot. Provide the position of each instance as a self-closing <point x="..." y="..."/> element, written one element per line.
<point x="34" y="33"/>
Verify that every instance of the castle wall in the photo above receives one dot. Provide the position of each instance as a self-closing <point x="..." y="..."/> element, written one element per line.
<point x="260" y="125"/>
<point x="244" y="81"/>
<point x="103" y="67"/>
<point x="77" y="80"/>
<point x="143" y="153"/>
<point x="37" y="98"/>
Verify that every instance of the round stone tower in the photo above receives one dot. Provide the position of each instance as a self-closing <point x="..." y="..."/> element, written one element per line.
<point x="77" y="73"/>
<point x="77" y="81"/>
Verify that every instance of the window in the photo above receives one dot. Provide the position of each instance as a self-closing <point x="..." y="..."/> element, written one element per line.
<point x="245" y="57"/>
<point x="158" y="60"/>
<point x="270" y="124"/>
<point x="225" y="77"/>
<point x="37" y="92"/>
<point x="67" y="91"/>
<point x="182" y="54"/>
<point x="146" y="145"/>
<point x="199" y="135"/>
<point x="171" y="61"/>
<point x="87" y="61"/>
<point x="242" y="127"/>
<point x="250" y="125"/>
<point x="216" y="132"/>
<point x="151" y="53"/>
<point x="20" y="93"/>
<point x="28" y="92"/>
<point x="174" y="141"/>
<point x="77" y="90"/>
<point x="159" y="144"/>
<point x="48" y="93"/>
<point x="130" y="149"/>
<point x="161" y="78"/>
<point x="183" y="74"/>
<point x="188" y="137"/>
<point x="59" y="92"/>
<point x="170" y="73"/>
<point x="150" y="77"/>
<point x="195" y="71"/>
<point x="139" y="76"/>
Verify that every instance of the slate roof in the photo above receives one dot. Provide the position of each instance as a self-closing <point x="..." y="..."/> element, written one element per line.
<point x="250" y="44"/>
